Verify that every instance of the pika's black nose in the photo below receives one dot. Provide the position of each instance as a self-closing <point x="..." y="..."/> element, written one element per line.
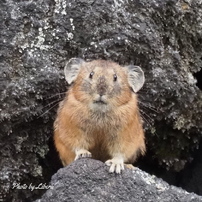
<point x="101" y="86"/>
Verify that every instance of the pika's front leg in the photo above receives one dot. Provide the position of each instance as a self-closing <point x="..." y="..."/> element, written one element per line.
<point x="82" y="153"/>
<point x="116" y="164"/>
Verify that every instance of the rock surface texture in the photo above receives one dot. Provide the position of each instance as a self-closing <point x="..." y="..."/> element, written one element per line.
<point x="89" y="181"/>
<point x="38" y="37"/>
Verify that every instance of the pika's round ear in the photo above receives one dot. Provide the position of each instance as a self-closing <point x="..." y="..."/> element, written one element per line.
<point x="136" y="77"/>
<point x="72" y="68"/>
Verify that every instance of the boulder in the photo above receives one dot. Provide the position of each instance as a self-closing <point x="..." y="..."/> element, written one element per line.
<point x="89" y="180"/>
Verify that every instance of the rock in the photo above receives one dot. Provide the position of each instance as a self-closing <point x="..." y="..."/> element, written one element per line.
<point x="89" y="180"/>
<point x="38" y="37"/>
<point x="190" y="178"/>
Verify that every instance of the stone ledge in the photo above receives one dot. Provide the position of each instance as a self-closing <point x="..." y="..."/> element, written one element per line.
<point x="88" y="180"/>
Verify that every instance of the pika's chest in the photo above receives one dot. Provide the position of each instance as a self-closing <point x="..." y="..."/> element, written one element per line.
<point x="101" y="122"/>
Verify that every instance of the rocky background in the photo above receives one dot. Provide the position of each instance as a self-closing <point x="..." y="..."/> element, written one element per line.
<point x="38" y="37"/>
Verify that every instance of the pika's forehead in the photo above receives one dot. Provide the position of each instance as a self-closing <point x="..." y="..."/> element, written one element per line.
<point x="104" y="70"/>
<point x="103" y="66"/>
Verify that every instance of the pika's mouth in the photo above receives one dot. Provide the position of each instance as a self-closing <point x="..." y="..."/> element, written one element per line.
<point x="100" y="102"/>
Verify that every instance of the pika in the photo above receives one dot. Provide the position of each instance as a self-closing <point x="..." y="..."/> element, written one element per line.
<point x="99" y="116"/>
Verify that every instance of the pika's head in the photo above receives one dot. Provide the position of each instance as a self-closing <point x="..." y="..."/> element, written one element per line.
<point x="103" y="84"/>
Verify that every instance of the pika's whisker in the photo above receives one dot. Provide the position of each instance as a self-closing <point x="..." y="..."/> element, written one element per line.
<point x="55" y="95"/>
<point x="145" y="114"/>
<point x="48" y="109"/>
<point x="148" y="106"/>
<point x="145" y="120"/>
<point x="53" y="102"/>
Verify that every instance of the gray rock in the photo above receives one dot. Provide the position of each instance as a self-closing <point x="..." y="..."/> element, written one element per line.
<point x="88" y="180"/>
<point x="38" y="37"/>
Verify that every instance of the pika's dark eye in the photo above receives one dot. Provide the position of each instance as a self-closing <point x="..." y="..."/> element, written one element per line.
<point x="115" y="77"/>
<point x="91" y="75"/>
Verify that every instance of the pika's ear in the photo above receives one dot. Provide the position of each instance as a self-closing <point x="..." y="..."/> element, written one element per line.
<point x="72" y="68"/>
<point x="136" y="77"/>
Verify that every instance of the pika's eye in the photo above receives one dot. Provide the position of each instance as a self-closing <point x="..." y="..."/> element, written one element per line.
<point x="91" y="75"/>
<point x="115" y="77"/>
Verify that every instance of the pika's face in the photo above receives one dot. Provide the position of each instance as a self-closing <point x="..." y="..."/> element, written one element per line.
<point x="100" y="84"/>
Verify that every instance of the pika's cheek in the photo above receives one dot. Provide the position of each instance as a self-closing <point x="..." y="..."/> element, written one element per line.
<point x="86" y="86"/>
<point x="115" y="91"/>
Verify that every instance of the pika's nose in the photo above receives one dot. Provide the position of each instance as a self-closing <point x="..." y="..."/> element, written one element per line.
<point x="101" y="85"/>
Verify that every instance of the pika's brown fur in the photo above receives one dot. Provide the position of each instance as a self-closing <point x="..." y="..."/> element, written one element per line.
<point x="99" y="116"/>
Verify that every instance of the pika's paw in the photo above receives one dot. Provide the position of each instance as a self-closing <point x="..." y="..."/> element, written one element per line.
<point x="129" y="166"/>
<point x="82" y="153"/>
<point x="116" y="165"/>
